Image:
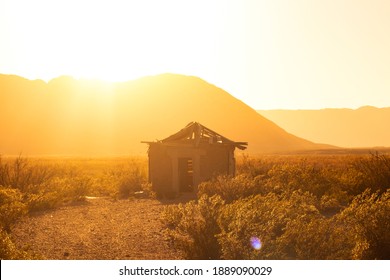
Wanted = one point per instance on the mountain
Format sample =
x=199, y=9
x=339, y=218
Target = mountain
x=86, y=117
x=364, y=127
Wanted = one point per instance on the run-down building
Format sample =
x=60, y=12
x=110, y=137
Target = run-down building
x=195, y=154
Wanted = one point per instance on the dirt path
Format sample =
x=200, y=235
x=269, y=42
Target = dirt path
x=98, y=229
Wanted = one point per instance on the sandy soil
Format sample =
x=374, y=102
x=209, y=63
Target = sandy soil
x=97, y=229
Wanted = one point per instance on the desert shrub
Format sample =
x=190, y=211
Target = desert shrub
x=76, y=188
x=44, y=196
x=42, y=201
x=253, y=167
x=57, y=191
x=130, y=183
x=372, y=172
x=193, y=227
x=11, y=207
x=332, y=203
x=148, y=190
x=303, y=175
x=21, y=173
x=33, y=184
x=8, y=250
x=231, y=188
x=316, y=237
x=367, y=218
x=282, y=205
x=358, y=232
x=350, y=181
x=245, y=219
x=212, y=229
x=172, y=215
x=265, y=218
x=127, y=179
x=294, y=208
x=48, y=183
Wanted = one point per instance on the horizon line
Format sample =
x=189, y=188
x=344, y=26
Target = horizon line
x=109, y=81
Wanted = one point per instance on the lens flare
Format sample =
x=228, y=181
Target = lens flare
x=255, y=243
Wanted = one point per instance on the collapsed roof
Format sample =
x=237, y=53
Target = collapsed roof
x=197, y=133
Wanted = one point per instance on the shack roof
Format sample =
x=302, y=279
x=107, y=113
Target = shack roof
x=197, y=133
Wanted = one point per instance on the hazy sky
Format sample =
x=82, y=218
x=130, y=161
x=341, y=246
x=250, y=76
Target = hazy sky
x=270, y=54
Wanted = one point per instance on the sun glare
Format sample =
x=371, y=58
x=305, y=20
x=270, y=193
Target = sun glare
x=110, y=40
x=266, y=53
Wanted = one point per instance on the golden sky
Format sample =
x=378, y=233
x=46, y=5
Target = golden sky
x=270, y=54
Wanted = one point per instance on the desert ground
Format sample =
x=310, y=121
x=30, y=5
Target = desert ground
x=97, y=229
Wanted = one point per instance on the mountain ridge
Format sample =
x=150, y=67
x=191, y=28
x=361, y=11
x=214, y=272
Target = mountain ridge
x=85, y=117
x=365, y=126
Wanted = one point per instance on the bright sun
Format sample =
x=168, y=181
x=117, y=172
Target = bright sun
x=110, y=40
x=269, y=54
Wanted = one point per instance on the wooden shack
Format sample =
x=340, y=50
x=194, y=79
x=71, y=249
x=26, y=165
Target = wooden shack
x=193, y=155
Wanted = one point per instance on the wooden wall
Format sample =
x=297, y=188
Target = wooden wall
x=209, y=160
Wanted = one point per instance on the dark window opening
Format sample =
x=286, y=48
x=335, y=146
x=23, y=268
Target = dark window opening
x=186, y=175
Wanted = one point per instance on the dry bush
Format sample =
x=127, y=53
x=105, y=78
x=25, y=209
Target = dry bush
x=32, y=181
x=193, y=227
x=300, y=208
x=129, y=179
x=316, y=238
x=372, y=172
x=367, y=220
x=57, y=191
x=12, y=207
x=231, y=188
x=32, y=185
x=266, y=218
x=303, y=175
x=21, y=173
x=254, y=167
x=289, y=226
x=8, y=250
